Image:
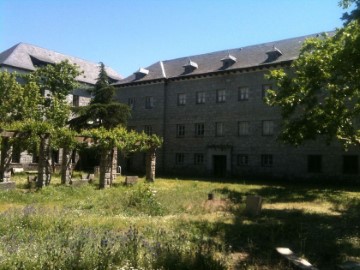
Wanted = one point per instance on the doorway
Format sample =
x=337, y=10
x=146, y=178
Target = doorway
x=219, y=165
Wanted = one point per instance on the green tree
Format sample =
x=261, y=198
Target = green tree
x=103, y=111
x=320, y=93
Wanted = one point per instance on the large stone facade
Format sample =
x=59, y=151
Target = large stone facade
x=215, y=122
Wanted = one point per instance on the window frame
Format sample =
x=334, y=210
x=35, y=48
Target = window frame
x=180, y=130
x=149, y=102
x=267, y=129
x=243, y=93
x=200, y=97
x=267, y=160
x=148, y=130
x=243, y=134
x=181, y=99
x=242, y=160
x=219, y=129
x=198, y=158
x=179, y=158
x=199, y=129
x=220, y=96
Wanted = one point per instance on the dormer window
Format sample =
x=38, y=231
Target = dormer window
x=273, y=54
x=141, y=73
x=190, y=66
x=228, y=61
x=37, y=62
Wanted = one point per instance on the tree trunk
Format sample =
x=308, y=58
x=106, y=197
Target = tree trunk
x=44, y=166
x=150, y=165
x=106, y=162
x=66, y=166
x=6, y=154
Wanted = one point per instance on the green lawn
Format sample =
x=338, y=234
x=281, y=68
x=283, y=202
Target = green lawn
x=171, y=224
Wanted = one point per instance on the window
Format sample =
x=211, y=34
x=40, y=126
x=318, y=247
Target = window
x=179, y=158
x=131, y=103
x=220, y=96
x=149, y=102
x=266, y=160
x=180, y=130
x=314, y=163
x=267, y=128
x=148, y=130
x=265, y=87
x=243, y=128
x=219, y=129
x=198, y=159
x=76, y=101
x=199, y=129
x=350, y=164
x=242, y=160
x=200, y=97
x=243, y=93
x=181, y=99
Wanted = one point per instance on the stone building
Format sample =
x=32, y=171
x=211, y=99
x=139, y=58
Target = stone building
x=210, y=110
x=24, y=58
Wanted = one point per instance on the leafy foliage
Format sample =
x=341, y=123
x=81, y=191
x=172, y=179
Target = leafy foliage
x=103, y=111
x=320, y=94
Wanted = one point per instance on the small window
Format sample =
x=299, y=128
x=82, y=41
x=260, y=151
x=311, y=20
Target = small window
x=314, y=163
x=180, y=130
x=243, y=93
x=148, y=130
x=200, y=97
x=220, y=96
x=266, y=160
x=179, y=158
x=219, y=129
x=243, y=128
x=149, y=102
x=265, y=88
x=181, y=99
x=267, y=128
x=76, y=101
x=198, y=159
x=242, y=160
x=199, y=129
x=350, y=164
x=131, y=103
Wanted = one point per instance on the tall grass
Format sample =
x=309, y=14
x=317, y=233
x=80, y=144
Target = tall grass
x=171, y=225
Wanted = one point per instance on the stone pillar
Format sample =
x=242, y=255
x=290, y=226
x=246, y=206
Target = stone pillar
x=44, y=168
x=6, y=153
x=114, y=164
x=66, y=166
x=106, y=160
x=150, y=165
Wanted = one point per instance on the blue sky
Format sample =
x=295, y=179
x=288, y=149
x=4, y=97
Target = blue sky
x=130, y=34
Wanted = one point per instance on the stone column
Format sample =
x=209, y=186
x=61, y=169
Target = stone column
x=44, y=172
x=150, y=165
x=114, y=164
x=66, y=166
x=6, y=153
x=106, y=160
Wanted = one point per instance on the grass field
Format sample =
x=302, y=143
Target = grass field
x=171, y=224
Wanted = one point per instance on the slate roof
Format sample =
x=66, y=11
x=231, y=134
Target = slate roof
x=23, y=55
x=246, y=57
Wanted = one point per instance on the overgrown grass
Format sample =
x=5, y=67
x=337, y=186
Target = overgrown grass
x=170, y=224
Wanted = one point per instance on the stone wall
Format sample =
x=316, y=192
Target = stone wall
x=286, y=161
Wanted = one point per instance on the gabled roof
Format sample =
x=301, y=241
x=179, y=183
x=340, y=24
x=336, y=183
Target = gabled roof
x=24, y=56
x=246, y=57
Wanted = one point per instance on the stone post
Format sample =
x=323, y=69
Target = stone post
x=150, y=165
x=6, y=153
x=106, y=160
x=66, y=166
x=44, y=173
x=114, y=164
